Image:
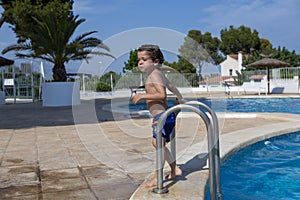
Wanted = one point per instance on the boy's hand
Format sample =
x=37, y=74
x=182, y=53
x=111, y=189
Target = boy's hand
x=180, y=101
x=136, y=98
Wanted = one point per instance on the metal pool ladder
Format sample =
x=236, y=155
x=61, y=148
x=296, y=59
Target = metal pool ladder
x=213, y=146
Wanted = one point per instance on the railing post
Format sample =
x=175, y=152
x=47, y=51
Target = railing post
x=159, y=157
x=216, y=145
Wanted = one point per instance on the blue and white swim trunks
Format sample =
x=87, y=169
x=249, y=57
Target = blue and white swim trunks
x=168, y=127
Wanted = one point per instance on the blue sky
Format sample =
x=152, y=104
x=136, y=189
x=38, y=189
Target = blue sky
x=275, y=20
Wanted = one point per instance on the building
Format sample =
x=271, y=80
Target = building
x=232, y=64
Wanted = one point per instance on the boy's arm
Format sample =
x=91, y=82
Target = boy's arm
x=156, y=92
x=175, y=91
x=159, y=94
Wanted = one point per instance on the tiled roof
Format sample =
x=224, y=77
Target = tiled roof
x=217, y=79
x=235, y=56
x=258, y=76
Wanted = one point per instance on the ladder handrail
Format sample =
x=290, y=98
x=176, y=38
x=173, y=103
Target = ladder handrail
x=213, y=146
x=216, y=146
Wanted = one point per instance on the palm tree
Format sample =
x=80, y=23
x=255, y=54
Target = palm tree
x=50, y=39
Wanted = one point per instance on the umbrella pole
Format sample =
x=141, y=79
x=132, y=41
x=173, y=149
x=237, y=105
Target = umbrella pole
x=268, y=71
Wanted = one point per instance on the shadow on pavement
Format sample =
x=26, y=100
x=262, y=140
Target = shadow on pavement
x=29, y=115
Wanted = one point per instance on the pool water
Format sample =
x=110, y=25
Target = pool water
x=268, y=169
x=285, y=105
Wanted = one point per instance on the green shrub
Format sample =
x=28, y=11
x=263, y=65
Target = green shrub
x=103, y=87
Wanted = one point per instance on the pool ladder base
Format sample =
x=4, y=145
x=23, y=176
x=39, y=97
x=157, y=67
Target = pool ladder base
x=160, y=191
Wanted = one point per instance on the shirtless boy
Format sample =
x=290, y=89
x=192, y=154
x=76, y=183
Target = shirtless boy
x=150, y=59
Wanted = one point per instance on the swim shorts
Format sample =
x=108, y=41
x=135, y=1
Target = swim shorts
x=168, y=127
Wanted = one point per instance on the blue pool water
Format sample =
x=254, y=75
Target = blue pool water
x=286, y=105
x=266, y=170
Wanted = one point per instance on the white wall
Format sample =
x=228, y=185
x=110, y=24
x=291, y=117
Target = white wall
x=284, y=85
x=229, y=63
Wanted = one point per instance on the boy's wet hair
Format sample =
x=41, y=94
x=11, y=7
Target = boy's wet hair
x=154, y=52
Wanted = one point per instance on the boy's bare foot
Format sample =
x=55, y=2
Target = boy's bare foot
x=174, y=173
x=149, y=183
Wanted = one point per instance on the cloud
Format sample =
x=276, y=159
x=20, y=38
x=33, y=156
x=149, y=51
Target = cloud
x=95, y=7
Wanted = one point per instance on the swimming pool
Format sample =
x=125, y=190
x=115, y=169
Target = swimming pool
x=269, y=169
x=285, y=105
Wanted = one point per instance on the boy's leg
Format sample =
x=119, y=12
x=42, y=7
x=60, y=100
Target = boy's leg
x=175, y=170
x=153, y=181
x=166, y=155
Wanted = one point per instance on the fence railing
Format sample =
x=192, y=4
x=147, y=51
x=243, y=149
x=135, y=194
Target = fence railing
x=26, y=86
x=124, y=81
x=189, y=79
x=137, y=79
x=285, y=73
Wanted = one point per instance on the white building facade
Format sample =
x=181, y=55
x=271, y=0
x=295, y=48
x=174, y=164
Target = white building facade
x=232, y=64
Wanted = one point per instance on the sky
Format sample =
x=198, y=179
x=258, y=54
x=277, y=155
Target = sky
x=125, y=24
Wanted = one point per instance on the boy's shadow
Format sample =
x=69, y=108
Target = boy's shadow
x=197, y=163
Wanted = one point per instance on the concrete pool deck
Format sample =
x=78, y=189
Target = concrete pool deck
x=44, y=154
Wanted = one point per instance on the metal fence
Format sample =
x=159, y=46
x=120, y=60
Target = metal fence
x=277, y=73
x=26, y=86
x=285, y=73
x=126, y=80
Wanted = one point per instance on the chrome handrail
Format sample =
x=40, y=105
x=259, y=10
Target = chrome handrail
x=216, y=146
x=213, y=146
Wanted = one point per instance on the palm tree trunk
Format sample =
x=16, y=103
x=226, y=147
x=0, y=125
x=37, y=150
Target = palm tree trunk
x=59, y=73
x=200, y=72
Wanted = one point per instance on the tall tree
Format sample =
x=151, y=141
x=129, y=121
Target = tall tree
x=9, y=6
x=265, y=44
x=182, y=66
x=198, y=49
x=20, y=13
x=131, y=64
x=209, y=43
x=285, y=55
x=247, y=41
x=239, y=39
x=50, y=39
x=279, y=53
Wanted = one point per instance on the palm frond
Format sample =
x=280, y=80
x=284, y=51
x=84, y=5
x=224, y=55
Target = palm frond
x=84, y=35
x=50, y=40
x=17, y=47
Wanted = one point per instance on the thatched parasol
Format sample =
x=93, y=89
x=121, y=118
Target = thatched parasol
x=5, y=61
x=268, y=63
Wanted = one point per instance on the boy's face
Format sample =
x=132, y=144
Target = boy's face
x=145, y=62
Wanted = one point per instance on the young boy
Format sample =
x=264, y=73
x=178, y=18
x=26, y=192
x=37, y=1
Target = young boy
x=150, y=59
